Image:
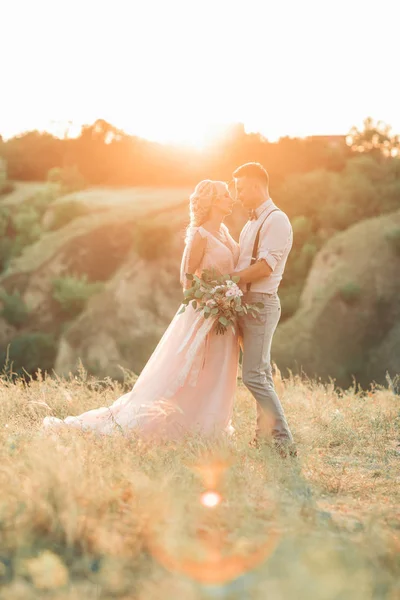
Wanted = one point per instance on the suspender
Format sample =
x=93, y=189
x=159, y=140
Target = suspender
x=256, y=241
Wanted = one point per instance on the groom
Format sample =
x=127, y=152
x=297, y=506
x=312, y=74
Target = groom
x=265, y=243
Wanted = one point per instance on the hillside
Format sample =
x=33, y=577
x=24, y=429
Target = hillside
x=92, y=274
x=348, y=323
x=123, y=323
x=85, y=240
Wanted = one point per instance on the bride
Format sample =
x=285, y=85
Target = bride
x=189, y=382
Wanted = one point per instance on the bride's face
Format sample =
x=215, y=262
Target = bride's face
x=224, y=201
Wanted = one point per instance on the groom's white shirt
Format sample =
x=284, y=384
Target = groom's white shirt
x=275, y=243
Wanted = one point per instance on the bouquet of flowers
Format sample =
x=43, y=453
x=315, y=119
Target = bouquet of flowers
x=218, y=297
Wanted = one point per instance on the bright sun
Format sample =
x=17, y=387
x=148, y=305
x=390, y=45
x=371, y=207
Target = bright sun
x=198, y=133
x=180, y=72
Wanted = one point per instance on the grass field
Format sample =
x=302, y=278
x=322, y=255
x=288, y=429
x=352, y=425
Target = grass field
x=83, y=516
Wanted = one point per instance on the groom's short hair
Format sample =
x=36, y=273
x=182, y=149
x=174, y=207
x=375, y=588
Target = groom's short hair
x=252, y=169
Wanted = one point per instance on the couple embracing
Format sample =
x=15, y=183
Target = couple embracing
x=189, y=383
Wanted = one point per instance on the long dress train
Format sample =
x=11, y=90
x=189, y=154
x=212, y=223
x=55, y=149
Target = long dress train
x=188, y=384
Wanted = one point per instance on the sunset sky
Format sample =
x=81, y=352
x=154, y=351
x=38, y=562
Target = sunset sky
x=180, y=70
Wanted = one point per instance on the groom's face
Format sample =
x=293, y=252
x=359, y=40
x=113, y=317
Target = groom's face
x=247, y=191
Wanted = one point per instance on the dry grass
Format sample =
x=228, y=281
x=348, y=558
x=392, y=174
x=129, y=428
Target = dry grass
x=83, y=516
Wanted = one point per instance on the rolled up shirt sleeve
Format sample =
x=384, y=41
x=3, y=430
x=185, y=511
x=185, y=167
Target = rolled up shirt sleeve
x=274, y=239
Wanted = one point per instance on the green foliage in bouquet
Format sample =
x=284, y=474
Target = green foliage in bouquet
x=218, y=297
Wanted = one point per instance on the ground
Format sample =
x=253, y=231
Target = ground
x=114, y=517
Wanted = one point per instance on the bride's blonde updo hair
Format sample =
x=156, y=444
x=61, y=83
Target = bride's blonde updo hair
x=202, y=199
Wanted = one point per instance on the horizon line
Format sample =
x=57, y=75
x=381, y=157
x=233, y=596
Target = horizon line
x=229, y=128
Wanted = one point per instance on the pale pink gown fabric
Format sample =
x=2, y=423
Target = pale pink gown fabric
x=188, y=384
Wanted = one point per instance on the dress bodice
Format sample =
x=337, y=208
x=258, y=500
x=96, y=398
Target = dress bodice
x=223, y=256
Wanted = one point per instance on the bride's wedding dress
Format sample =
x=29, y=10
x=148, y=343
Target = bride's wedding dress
x=189, y=382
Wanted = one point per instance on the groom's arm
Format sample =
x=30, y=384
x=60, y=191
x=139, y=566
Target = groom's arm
x=259, y=270
x=272, y=245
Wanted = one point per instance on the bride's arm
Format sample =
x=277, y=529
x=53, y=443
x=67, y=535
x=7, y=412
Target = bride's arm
x=192, y=257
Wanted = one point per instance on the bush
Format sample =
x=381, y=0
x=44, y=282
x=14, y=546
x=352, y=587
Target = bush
x=350, y=292
x=30, y=352
x=393, y=237
x=26, y=222
x=41, y=199
x=6, y=252
x=338, y=216
x=290, y=300
x=72, y=293
x=302, y=230
x=65, y=212
x=68, y=178
x=14, y=311
x=27, y=228
x=4, y=220
x=17, y=230
x=308, y=253
x=299, y=263
x=6, y=187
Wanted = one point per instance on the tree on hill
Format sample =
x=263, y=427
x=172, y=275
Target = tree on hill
x=376, y=137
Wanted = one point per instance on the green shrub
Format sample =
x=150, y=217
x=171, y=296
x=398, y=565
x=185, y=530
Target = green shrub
x=6, y=252
x=69, y=179
x=393, y=237
x=54, y=175
x=14, y=310
x=308, y=253
x=299, y=263
x=4, y=220
x=25, y=227
x=302, y=230
x=338, y=216
x=72, y=293
x=30, y=352
x=350, y=292
x=26, y=222
x=6, y=186
x=43, y=198
x=290, y=300
x=65, y=212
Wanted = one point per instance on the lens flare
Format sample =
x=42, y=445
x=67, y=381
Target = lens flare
x=210, y=499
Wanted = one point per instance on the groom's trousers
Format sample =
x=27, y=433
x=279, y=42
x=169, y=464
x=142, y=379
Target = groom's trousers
x=257, y=333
